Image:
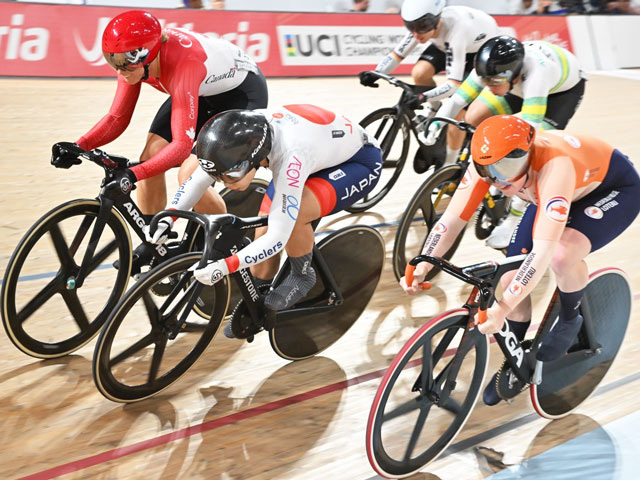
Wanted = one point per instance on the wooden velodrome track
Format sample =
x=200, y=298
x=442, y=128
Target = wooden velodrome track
x=242, y=412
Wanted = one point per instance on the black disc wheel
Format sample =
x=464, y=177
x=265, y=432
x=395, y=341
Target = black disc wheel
x=354, y=256
x=490, y=214
x=424, y=210
x=426, y=395
x=149, y=342
x=47, y=311
x=393, y=134
x=568, y=381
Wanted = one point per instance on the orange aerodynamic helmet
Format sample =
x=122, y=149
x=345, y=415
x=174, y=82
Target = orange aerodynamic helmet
x=500, y=148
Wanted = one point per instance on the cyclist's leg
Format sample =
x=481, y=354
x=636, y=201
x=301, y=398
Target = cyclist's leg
x=152, y=192
x=455, y=136
x=594, y=221
x=431, y=61
x=325, y=192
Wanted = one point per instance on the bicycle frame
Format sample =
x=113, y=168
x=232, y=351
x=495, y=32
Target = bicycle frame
x=226, y=243
x=484, y=277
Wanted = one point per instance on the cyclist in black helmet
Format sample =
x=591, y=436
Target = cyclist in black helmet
x=541, y=81
x=321, y=163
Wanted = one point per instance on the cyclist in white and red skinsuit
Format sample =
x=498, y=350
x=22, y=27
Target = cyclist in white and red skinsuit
x=321, y=162
x=202, y=75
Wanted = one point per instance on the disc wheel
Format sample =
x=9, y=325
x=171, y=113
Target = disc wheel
x=570, y=380
x=142, y=350
x=393, y=135
x=45, y=312
x=354, y=256
x=424, y=210
x=426, y=395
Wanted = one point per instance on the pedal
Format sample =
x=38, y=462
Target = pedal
x=242, y=324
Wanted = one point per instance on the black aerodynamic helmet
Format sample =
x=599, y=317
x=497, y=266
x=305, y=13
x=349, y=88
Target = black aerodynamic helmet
x=231, y=143
x=500, y=58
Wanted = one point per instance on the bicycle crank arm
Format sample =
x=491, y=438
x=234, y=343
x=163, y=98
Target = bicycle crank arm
x=537, y=373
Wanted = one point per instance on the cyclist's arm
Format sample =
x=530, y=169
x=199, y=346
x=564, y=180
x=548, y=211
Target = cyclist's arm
x=556, y=186
x=464, y=203
x=184, y=116
x=116, y=121
x=536, y=89
x=191, y=190
x=466, y=93
x=282, y=218
x=390, y=61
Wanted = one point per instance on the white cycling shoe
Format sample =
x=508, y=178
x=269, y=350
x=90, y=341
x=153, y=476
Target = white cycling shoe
x=501, y=235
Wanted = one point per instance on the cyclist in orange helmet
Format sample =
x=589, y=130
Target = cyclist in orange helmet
x=583, y=194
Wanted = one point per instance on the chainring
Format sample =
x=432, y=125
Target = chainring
x=508, y=385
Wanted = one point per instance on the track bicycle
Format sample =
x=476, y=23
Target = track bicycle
x=59, y=285
x=392, y=126
x=432, y=199
x=149, y=342
x=433, y=383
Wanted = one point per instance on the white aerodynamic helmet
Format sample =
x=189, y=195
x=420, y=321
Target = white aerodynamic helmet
x=421, y=16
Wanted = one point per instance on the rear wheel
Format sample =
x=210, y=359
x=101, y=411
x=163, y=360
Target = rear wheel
x=143, y=349
x=424, y=210
x=393, y=135
x=570, y=380
x=426, y=395
x=45, y=313
x=354, y=256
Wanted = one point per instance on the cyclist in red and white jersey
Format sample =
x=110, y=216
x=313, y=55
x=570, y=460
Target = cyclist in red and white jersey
x=583, y=194
x=321, y=162
x=202, y=75
x=454, y=35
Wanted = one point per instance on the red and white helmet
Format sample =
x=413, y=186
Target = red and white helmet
x=132, y=38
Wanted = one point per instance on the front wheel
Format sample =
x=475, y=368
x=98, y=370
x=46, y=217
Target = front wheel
x=392, y=132
x=424, y=210
x=149, y=342
x=45, y=312
x=426, y=395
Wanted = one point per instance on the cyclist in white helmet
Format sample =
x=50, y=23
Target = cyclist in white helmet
x=454, y=34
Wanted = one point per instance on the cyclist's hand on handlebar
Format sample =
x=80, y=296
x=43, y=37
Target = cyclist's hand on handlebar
x=64, y=155
x=495, y=320
x=415, y=101
x=121, y=183
x=212, y=273
x=161, y=233
x=368, y=79
x=419, y=274
x=433, y=133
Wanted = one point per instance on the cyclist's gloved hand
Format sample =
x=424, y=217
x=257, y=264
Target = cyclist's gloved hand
x=161, y=233
x=431, y=135
x=415, y=101
x=495, y=320
x=121, y=183
x=368, y=79
x=418, y=277
x=65, y=154
x=212, y=273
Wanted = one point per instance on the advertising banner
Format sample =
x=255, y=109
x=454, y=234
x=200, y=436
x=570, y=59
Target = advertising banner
x=65, y=40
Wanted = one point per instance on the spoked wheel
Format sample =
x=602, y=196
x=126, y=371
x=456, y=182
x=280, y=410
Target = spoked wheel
x=568, y=381
x=489, y=217
x=245, y=203
x=393, y=135
x=355, y=256
x=426, y=395
x=145, y=346
x=46, y=313
x=424, y=210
